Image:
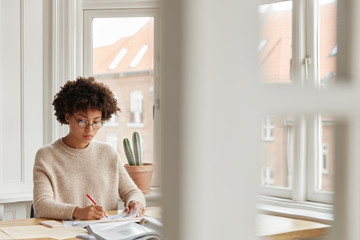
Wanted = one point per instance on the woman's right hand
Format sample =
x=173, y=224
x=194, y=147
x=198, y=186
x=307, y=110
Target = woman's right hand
x=91, y=212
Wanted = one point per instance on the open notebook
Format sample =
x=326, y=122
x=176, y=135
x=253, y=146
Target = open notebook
x=148, y=228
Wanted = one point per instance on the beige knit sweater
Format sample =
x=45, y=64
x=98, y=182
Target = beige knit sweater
x=64, y=175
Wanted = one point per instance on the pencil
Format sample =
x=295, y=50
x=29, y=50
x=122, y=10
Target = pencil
x=94, y=202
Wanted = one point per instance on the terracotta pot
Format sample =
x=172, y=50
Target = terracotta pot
x=141, y=175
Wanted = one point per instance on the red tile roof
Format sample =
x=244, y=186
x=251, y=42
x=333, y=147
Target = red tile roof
x=275, y=56
x=104, y=56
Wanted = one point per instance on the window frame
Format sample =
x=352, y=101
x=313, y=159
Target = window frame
x=324, y=158
x=88, y=15
x=268, y=127
x=307, y=131
x=112, y=13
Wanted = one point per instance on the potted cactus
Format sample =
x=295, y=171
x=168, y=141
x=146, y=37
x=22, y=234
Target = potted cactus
x=141, y=173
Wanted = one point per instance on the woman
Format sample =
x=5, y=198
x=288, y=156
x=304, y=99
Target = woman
x=76, y=165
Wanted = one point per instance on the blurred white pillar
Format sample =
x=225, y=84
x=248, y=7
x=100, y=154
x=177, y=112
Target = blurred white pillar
x=348, y=70
x=209, y=131
x=347, y=166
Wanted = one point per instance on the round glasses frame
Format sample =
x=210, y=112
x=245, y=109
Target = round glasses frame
x=85, y=123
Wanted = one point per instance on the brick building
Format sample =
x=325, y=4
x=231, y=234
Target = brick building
x=127, y=66
x=275, y=55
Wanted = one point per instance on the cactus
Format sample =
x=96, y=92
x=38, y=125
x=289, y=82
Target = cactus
x=136, y=151
x=128, y=152
x=137, y=148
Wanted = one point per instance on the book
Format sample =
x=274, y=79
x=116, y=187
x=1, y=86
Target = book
x=152, y=223
x=148, y=229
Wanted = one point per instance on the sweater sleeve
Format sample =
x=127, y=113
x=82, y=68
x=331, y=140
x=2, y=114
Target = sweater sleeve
x=128, y=191
x=44, y=203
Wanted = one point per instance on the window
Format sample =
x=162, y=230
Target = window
x=327, y=42
x=262, y=44
x=118, y=59
x=267, y=129
x=139, y=56
x=298, y=153
x=123, y=55
x=275, y=52
x=267, y=176
x=277, y=154
x=325, y=158
x=326, y=162
x=136, y=109
x=334, y=51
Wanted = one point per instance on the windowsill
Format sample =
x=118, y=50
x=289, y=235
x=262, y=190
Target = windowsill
x=135, y=125
x=155, y=194
x=318, y=212
x=152, y=199
x=16, y=197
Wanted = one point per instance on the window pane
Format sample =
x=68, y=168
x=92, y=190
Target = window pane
x=275, y=42
x=123, y=58
x=277, y=148
x=325, y=176
x=328, y=42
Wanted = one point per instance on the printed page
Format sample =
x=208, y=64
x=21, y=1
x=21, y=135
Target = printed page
x=152, y=223
x=119, y=230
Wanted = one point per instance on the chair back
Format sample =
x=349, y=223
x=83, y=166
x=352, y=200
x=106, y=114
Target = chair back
x=32, y=212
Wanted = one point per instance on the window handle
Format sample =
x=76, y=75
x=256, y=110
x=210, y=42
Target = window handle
x=307, y=62
x=157, y=106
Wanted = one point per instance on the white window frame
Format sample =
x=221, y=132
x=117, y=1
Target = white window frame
x=314, y=163
x=68, y=58
x=325, y=158
x=136, y=99
x=111, y=13
x=267, y=176
x=283, y=192
x=135, y=10
x=268, y=129
x=307, y=130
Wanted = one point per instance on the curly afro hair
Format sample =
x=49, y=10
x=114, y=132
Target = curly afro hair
x=84, y=94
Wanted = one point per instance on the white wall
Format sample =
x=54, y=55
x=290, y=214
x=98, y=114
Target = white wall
x=21, y=95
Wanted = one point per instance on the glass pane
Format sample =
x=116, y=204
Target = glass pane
x=275, y=38
x=277, y=148
x=328, y=42
x=325, y=176
x=123, y=58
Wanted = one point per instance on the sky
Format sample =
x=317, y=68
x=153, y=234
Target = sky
x=107, y=31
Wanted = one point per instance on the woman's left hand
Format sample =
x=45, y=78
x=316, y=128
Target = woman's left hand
x=133, y=205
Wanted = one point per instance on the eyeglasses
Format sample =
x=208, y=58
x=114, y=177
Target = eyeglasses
x=84, y=123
